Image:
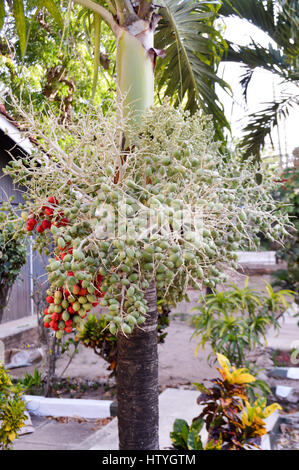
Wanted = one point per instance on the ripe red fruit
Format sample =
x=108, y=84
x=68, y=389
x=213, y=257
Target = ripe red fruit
x=50, y=299
x=68, y=329
x=46, y=311
x=53, y=200
x=46, y=325
x=66, y=292
x=95, y=304
x=83, y=291
x=31, y=223
x=48, y=211
x=76, y=289
x=62, y=222
x=69, y=323
x=71, y=310
x=70, y=273
x=46, y=224
x=54, y=325
x=40, y=229
x=54, y=316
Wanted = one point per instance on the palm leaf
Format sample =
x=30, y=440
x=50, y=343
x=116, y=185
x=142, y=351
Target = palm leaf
x=53, y=10
x=2, y=14
x=262, y=122
x=193, y=48
x=19, y=15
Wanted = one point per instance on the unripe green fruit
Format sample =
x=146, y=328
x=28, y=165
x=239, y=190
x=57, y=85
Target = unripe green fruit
x=90, y=288
x=65, y=316
x=113, y=328
x=127, y=329
x=61, y=242
x=76, y=306
x=57, y=309
x=59, y=334
x=87, y=306
x=64, y=304
x=61, y=325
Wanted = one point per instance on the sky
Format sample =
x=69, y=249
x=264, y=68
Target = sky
x=261, y=89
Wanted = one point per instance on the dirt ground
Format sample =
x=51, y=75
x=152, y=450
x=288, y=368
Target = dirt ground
x=178, y=365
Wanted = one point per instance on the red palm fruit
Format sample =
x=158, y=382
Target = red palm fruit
x=47, y=325
x=69, y=323
x=70, y=250
x=68, y=329
x=101, y=294
x=70, y=273
x=50, y=299
x=62, y=255
x=62, y=222
x=46, y=224
x=76, y=289
x=99, y=279
x=83, y=291
x=53, y=324
x=46, y=311
x=66, y=292
x=40, y=229
x=95, y=304
x=31, y=223
x=55, y=317
x=71, y=310
x=53, y=200
x=48, y=211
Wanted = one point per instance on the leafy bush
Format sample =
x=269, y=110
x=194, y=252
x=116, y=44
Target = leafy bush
x=12, y=253
x=235, y=321
x=289, y=193
x=12, y=410
x=232, y=423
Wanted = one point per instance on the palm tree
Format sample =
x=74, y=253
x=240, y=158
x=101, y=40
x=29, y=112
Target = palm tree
x=191, y=49
x=279, y=20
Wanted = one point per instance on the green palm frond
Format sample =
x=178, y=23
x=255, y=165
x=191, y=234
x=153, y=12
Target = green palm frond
x=193, y=48
x=279, y=19
x=261, y=124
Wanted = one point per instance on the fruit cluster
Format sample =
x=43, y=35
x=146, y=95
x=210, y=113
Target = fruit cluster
x=176, y=213
x=45, y=218
x=69, y=303
x=66, y=309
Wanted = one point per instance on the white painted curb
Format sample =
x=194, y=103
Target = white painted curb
x=43, y=406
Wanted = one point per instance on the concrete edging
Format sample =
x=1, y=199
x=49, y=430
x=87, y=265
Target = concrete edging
x=93, y=409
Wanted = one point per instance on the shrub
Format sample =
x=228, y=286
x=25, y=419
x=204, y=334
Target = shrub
x=235, y=321
x=231, y=421
x=12, y=410
x=289, y=193
x=12, y=253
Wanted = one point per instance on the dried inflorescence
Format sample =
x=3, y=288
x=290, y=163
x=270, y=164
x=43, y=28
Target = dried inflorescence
x=133, y=202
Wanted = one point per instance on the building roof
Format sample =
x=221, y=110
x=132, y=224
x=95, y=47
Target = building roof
x=10, y=127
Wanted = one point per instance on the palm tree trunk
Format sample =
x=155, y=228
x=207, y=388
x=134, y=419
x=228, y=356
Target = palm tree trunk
x=137, y=383
x=137, y=360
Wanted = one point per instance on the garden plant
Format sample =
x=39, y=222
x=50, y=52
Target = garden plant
x=13, y=253
x=12, y=410
x=232, y=423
